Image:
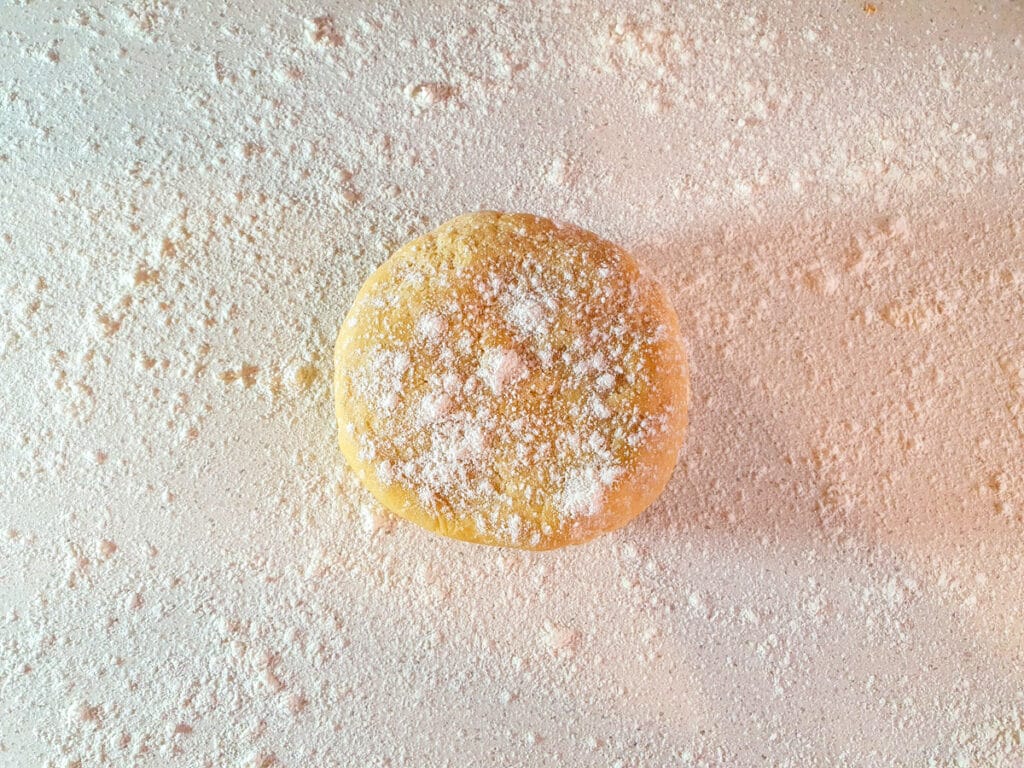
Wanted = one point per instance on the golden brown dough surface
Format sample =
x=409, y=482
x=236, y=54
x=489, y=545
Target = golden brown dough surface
x=512, y=381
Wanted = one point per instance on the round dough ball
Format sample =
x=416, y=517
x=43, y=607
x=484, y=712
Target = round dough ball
x=512, y=381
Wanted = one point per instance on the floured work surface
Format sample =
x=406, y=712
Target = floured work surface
x=189, y=200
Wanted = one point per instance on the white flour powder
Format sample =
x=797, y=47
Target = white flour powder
x=190, y=196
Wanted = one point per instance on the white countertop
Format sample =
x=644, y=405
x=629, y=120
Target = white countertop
x=190, y=195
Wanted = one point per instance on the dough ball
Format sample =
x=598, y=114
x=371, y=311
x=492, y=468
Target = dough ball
x=513, y=381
